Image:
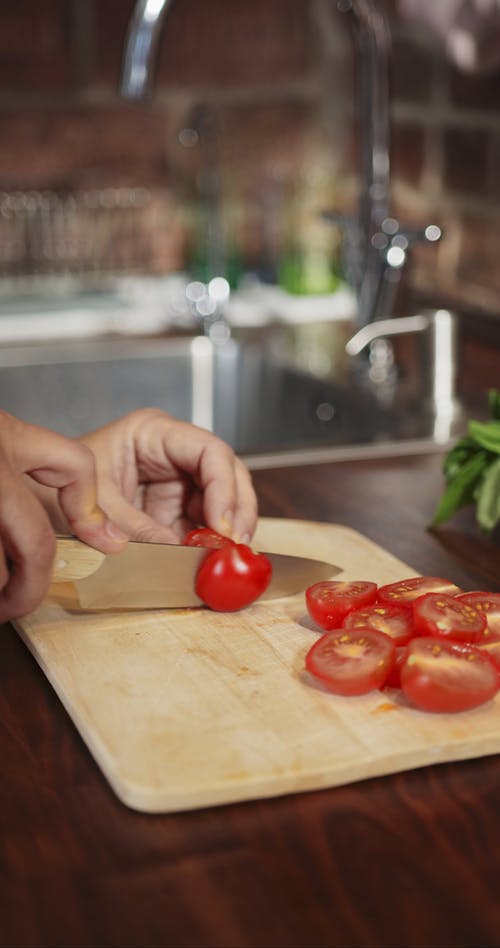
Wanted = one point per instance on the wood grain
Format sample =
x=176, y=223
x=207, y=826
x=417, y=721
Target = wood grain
x=409, y=859
x=74, y=560
x=190, y=708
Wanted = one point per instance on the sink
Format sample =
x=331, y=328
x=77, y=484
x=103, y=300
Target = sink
x=247, y=390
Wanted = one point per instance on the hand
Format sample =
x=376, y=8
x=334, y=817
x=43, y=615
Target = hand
x=30, y=454
x=158, y=477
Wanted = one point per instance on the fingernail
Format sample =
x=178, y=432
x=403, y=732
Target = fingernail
x=114, y=532
x=226, y=522
x=245, y=538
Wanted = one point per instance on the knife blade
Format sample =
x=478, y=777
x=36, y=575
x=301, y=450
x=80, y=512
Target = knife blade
x=162, y=575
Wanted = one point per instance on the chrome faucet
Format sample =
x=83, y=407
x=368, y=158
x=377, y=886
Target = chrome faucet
x=375, y=244
x=141, y=47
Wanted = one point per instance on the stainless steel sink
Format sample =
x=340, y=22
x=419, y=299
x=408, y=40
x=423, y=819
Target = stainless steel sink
x=263, y=403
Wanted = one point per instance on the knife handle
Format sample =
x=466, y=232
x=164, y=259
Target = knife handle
x=74, y=560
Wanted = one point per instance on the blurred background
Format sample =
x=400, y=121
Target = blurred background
x=253, y=108
x=247, y=162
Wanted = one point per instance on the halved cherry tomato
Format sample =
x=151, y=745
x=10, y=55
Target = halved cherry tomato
x=352, y=661
x=204, y=536
x=394, y=621
x=329, y=602
x=393, y=679
x=404, y=592
x=446, y=616
x=439, y=675
x=492, y=648
x=489, y=603
x=232, y=577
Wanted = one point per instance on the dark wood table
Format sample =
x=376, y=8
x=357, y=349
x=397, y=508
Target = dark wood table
x=410, y=859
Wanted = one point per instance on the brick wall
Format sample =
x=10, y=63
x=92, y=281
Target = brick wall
x=253, y=111
x=446, y=161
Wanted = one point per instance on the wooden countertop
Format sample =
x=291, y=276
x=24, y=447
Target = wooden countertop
x=406, y=860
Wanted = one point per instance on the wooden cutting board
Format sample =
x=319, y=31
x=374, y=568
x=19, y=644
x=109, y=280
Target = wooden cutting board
x=187, y=708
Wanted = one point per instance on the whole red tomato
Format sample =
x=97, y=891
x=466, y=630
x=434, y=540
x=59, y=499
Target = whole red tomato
x=232, y=577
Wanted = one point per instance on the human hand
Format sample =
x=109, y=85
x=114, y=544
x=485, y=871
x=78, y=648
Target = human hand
x=158, y=477
x=27, y=544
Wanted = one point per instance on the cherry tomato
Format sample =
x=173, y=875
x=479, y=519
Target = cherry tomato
x=439, y=675
x=204, y=536
x=393, y=679
x=489, y=603
x=404, y=592
x=329, y=602
x=232, y=577
x=438, y=614
x=394, y=621
x=352, y=661
x=492, y=648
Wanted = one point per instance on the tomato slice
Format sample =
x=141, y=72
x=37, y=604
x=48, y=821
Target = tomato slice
x=394, y=621
x=438, y=614
x=352, y=661
x=404, y=592
x=492, y=648
x=489, y=603
x=204, y=536
x=439, y=675
x=232, y=577
x=329, y=602
x=393, y=679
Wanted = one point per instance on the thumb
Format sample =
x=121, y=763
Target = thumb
x=57, y=462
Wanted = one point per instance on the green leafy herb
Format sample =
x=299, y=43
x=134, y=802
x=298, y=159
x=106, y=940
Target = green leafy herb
x=461, y=489
x=457, y=457
x=488, y=502
x=494, y=403
x=486, y=434
x=472, y=471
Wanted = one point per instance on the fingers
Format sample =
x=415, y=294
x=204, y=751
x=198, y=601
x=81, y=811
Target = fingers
x=229, y=502
x=27, y=547
x=158, y=475
x=68, y=466
x=138, y=524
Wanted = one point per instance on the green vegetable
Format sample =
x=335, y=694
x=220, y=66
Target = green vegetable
x=494, y=403
x=486, y=434
x=472, y=471
x=488, y=502
x=456, y=458
x=461, y=489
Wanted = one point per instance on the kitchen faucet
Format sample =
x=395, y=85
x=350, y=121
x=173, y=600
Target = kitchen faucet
x=375, y=245
x=205, y=301
x=141, y=46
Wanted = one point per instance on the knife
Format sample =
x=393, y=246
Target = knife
x=162, y=575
